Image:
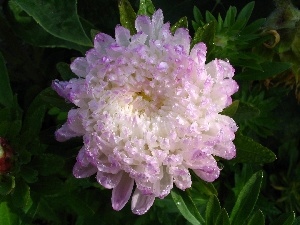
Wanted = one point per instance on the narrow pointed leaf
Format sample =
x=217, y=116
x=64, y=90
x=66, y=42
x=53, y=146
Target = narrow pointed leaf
x=285, y=219
x=213, y=208
x=204, y=187
x=246, y=200
x=222, y=218
x=146, y=8
x=246, y=12
x=230, y=16
x=257, y=219
x=205, y=34
x=197, y=15
x=127, y=15
x=187, y=207
x=182, y=22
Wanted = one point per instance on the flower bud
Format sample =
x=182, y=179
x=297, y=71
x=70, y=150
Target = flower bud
x=6, y=154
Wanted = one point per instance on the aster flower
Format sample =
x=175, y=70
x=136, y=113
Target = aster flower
x=148, y=109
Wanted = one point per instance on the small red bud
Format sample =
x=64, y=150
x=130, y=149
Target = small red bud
x=6, y=154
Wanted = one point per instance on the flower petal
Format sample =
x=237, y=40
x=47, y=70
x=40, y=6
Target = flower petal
x=198, y=53
x=79, y=66
x=75, y=122
x=140, y=203
x=183, y=39
x=102, y=41
x=157, y=22
x=122, y=36
x=121, y=193
x=163, y=187
x=109, y=180
x=143, y=24
x=65, y=133
x=80, y=171
x=208, y=174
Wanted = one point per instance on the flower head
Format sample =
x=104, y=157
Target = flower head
x=148, y=110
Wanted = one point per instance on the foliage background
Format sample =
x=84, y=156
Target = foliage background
x=38, y=40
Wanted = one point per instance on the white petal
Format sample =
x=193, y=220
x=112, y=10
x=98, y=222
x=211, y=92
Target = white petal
x=183, y=38
x=109, y=180
x=80, y=171
x=208, y=174
x=121, y=193
x=163, y=186
x=198, y=53
x=143, y=24
x=102, y=41
x=140, y=203
x=75, y=122
x=65, y=133
x=122, y=36
x=79, y=66
x=157, y=22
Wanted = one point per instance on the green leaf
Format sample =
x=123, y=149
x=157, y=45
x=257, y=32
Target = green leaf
x=231, y=110
x=213, y=208
x=6, y=95
x=187, y=207
x=45, y=211
x=223, y=218
x=246, y=200
x=182, y=22
x=7, y=217
x=230, y=16
x=205, y=34
x=127, y=16
x=28, y=174
x=253, y=27
x=246, y=12
x=202, y=186
x=269, y=69
x=297, y=221
x=52, y=99
x=284, y=219
x=47, y=164
x=257, y=219
x=146, y=8
x=57, y=17
x=209, y=17
x=7, y=184
x=26, y=26
x=81, y=207
x=249, y=151
x=48, y=186
x=245, y=112
x=197, y=15
x=33, y=122
x=65, y=71
x=21, y=195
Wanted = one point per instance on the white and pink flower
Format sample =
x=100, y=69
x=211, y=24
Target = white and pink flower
x=148, y=109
